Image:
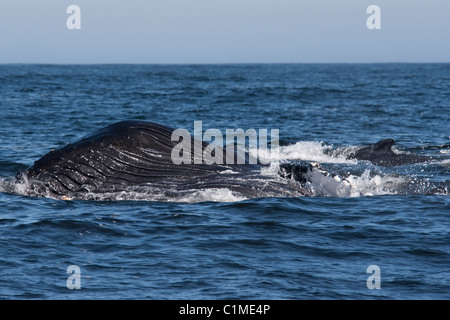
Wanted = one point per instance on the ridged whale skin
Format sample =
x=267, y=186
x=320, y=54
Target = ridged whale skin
x=136, y=156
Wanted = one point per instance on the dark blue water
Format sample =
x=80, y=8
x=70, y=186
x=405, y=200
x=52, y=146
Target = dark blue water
x=269, y=248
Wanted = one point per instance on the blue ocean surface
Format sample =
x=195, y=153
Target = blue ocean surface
x=387, y=237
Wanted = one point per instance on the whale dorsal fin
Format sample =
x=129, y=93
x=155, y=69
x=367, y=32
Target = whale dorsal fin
x=383, y=146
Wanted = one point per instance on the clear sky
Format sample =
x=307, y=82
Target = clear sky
x=224, y=31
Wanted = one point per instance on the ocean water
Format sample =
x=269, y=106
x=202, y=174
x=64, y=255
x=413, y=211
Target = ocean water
x=213, y=244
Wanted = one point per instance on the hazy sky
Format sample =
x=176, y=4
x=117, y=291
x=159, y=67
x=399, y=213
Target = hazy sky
x=224, y=31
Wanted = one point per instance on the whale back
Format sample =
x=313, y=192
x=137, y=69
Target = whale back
x=382, y=154
x=137, y=155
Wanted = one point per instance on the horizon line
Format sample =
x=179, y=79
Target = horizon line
x=216, y=63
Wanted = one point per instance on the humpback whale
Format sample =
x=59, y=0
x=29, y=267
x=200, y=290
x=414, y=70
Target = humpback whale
x=382, y=154
x=135, y=156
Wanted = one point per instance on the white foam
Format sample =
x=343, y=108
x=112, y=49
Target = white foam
x=213, y=194
x=16, y=186
x=368, y=185
x=303, y=150
x=271, y=170
x=229, y=171
x=323, y=184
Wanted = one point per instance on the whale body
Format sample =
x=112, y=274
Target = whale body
x=134, y=157
x=382, y=154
